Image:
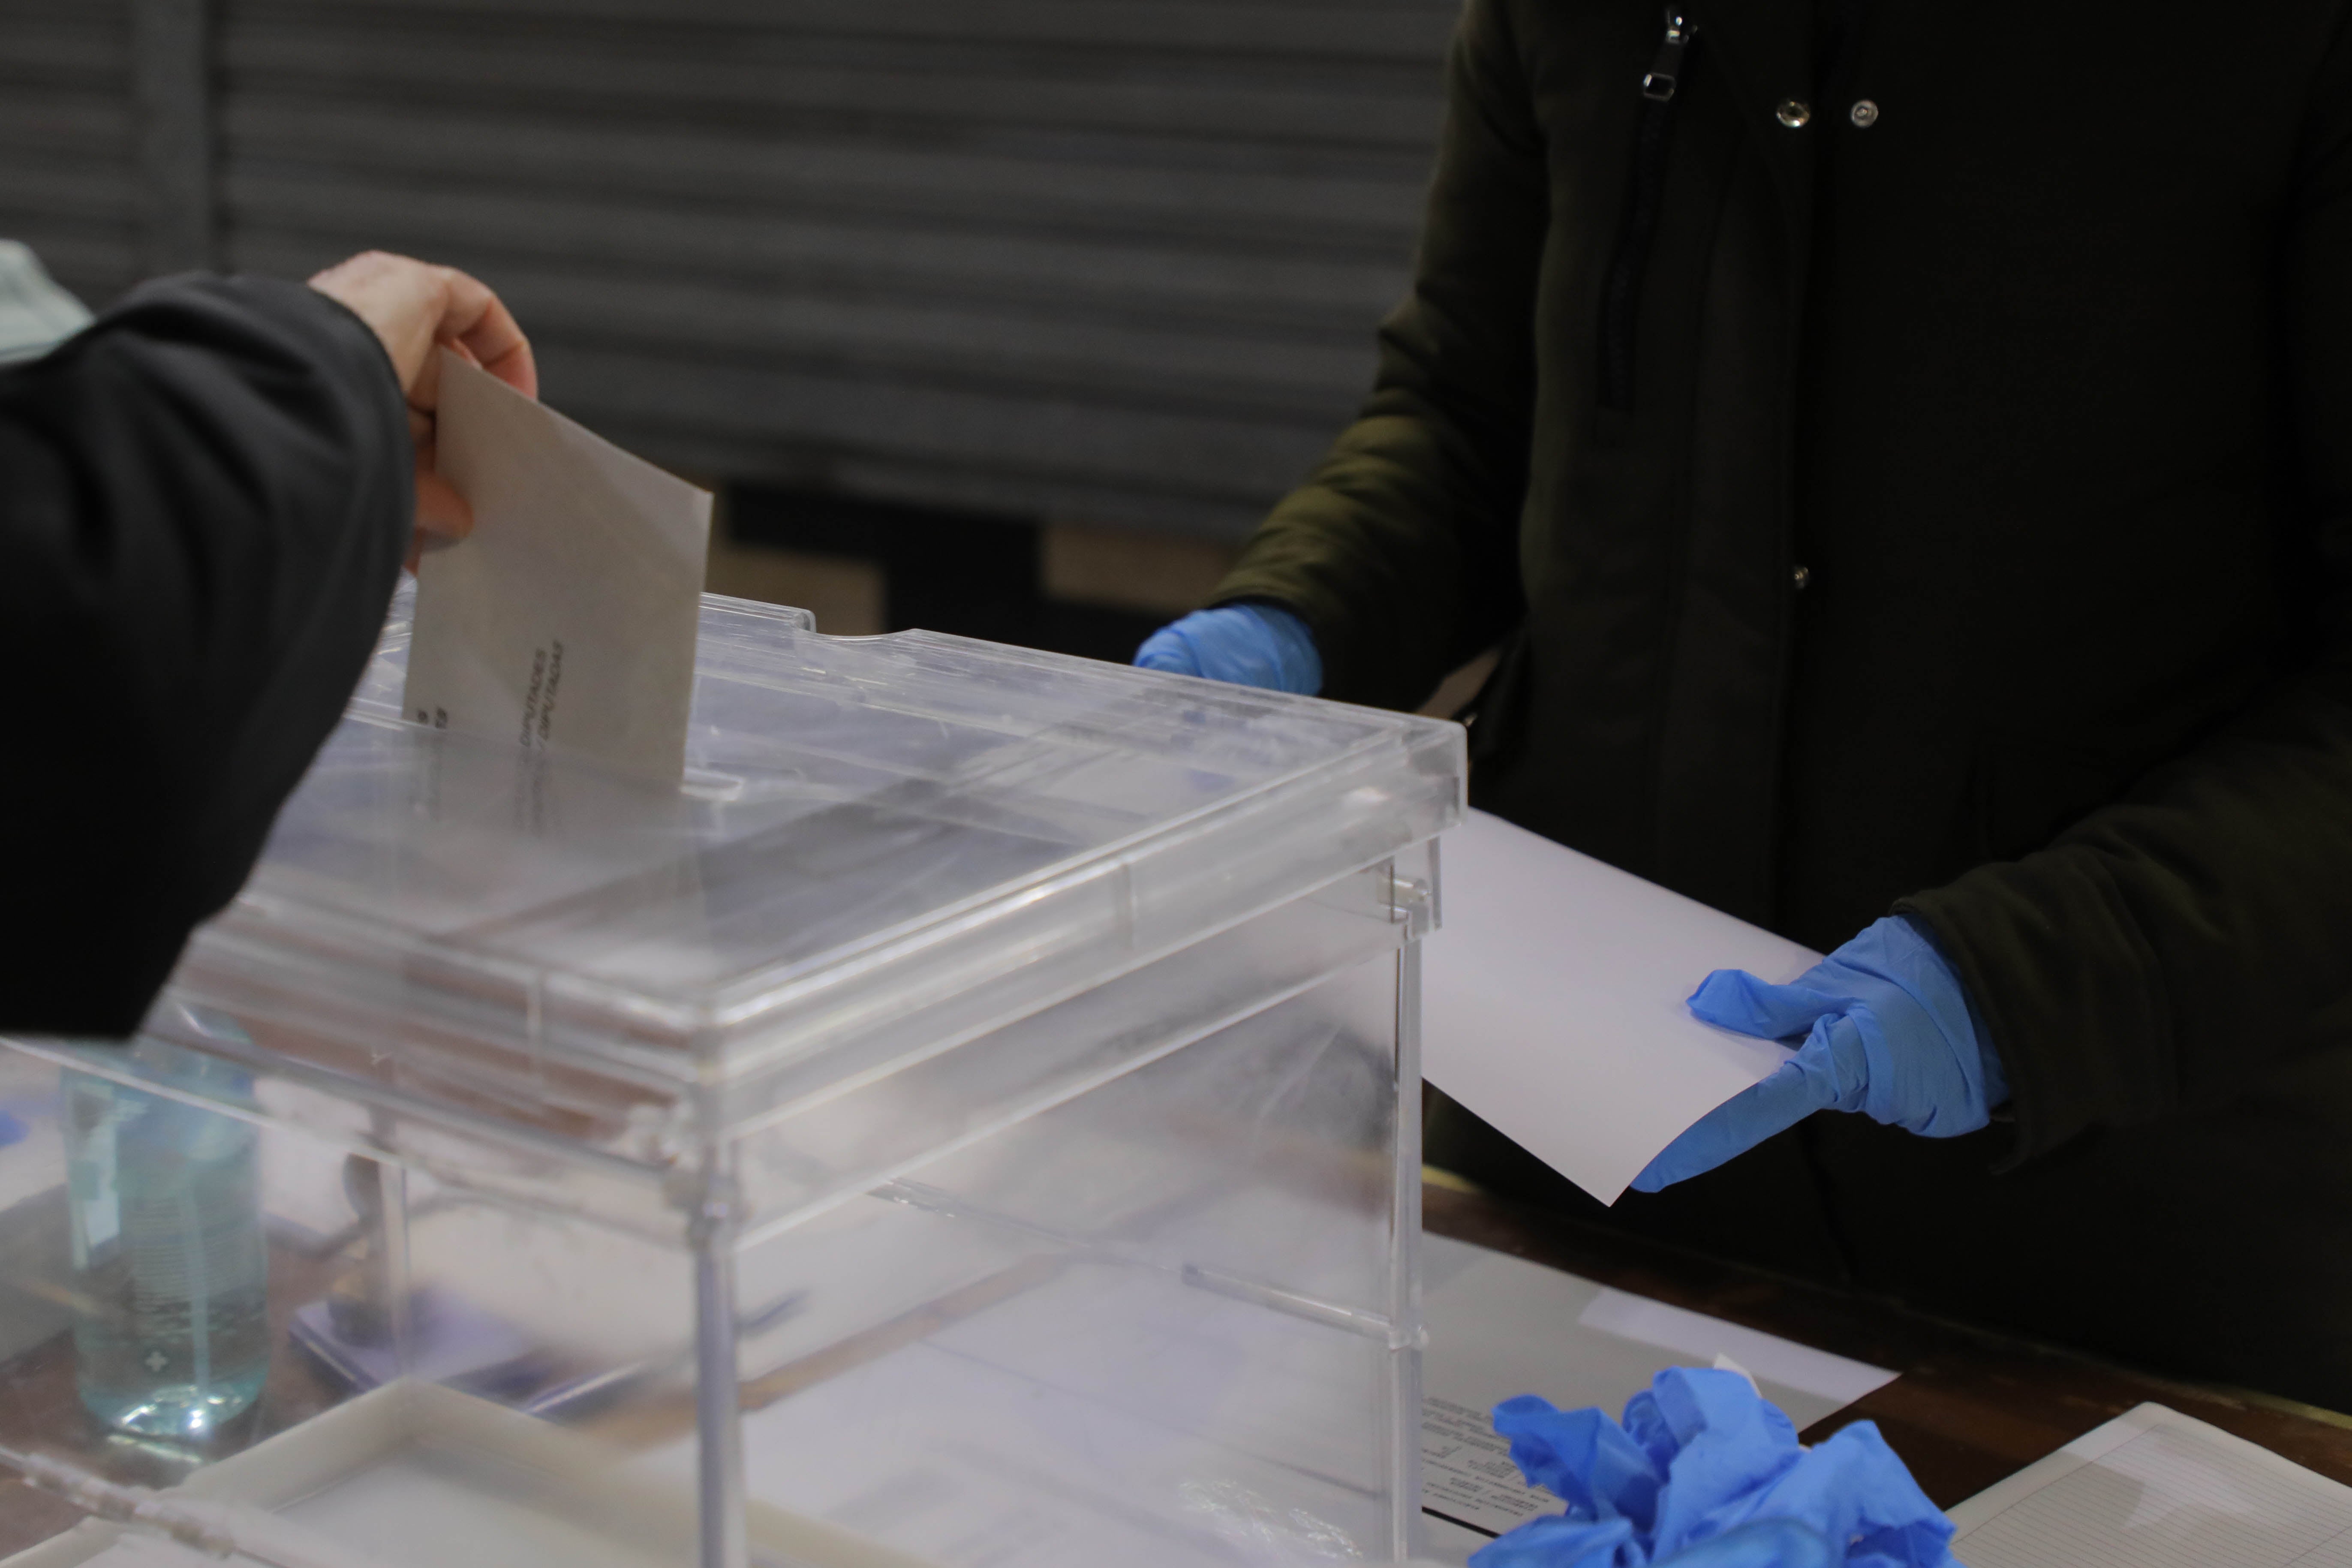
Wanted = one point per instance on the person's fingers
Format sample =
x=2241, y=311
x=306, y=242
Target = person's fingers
x=403, y=299
x=1836, y=1058
x=442, y=517
x=1735, y=999
x=479, y=324
x=1736, y=1126
x=424, y=389
x=1170, y=650
x=415, y=305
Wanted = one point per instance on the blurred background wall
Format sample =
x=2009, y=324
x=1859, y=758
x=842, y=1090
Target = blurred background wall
x=1000, y=316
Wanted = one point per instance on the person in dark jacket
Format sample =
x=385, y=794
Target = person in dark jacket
x=205, y=498
x=1904, y=459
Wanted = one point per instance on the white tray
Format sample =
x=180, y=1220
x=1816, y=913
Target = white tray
x=415, y=1475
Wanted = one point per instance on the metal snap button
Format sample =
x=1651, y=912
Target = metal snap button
x=1864, y=114
x=1792, y=113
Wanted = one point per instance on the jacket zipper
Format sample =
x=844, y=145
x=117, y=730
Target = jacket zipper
x=1621, y=299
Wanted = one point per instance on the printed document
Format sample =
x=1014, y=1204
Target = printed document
x=2155, y=1488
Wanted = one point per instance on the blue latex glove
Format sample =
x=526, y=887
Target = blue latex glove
x=1767, y=1543
x=1887, y=1032
x=1247, y=645
x=1703, y=1472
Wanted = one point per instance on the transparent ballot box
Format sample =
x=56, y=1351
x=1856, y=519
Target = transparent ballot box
x=972, y=1120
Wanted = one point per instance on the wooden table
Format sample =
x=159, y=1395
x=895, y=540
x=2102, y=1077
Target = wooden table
x=1969, y=1408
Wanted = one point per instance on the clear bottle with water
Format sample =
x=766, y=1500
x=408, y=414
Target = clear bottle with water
x=172, y=1338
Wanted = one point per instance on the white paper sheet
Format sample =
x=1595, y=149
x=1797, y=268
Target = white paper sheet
x=1500, y=1326
x=1553, y=1002
x=568, y=620
x=2155, y=1488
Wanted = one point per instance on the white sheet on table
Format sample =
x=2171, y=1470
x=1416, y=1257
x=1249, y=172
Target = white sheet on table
x=2155, y=1488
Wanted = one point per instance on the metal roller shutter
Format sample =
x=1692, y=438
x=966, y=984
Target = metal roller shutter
x=68, y=185
x=1104, y=259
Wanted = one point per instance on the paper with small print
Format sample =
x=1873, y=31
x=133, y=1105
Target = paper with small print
x=1554, y=1002
x=1500, y=1326
x=2155, y=1488
x=567, y=621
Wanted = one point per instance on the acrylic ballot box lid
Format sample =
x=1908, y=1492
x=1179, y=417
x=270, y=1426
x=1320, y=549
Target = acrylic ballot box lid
x=884, y=849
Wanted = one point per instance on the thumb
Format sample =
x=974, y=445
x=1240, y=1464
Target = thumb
x=1170, y=650
x=443, y=516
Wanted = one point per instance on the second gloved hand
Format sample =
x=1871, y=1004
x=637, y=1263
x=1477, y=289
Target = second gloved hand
x=1886, y=1032
x=1247, y=645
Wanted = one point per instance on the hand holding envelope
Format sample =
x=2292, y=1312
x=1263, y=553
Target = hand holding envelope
x=1554, y=1002
x=414, y=307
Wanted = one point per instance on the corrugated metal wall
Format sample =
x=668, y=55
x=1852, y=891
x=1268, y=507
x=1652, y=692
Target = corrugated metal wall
x=68, y=185
x=1117, y=260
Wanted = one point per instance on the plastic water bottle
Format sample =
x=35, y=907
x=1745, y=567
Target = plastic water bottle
x=171, y=1339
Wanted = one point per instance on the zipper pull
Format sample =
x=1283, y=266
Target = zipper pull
x=1659, y=85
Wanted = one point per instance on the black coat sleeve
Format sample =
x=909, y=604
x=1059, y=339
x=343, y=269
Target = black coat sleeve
x=204, y=501
x=2169, y=949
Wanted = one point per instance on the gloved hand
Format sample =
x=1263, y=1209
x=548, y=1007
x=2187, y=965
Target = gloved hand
x=1705, y=1473
x=1247, y=645
x=1887, y=1031
x=35, y=315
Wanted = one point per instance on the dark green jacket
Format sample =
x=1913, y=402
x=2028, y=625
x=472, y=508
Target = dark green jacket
x=1946, y=506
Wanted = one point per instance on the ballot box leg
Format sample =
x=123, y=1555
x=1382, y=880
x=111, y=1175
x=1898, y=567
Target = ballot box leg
x=1404, y=1306
x=718, y=1411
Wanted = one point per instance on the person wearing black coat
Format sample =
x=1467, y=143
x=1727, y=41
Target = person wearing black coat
x=205, y=498
x=1902, y=454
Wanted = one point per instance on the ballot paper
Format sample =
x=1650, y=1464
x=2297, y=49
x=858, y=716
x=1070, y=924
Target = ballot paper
x=1500, y=1326
x=2155, y=1488
x=567, y=621
x=1553, y=1002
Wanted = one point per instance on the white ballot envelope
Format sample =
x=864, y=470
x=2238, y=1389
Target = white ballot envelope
x=1553, y=1002
x=567, y=621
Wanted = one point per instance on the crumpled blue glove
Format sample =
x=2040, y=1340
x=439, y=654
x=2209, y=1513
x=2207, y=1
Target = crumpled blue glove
x=1247, y=645
x=1704, y=1472
x=1887, y=1032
